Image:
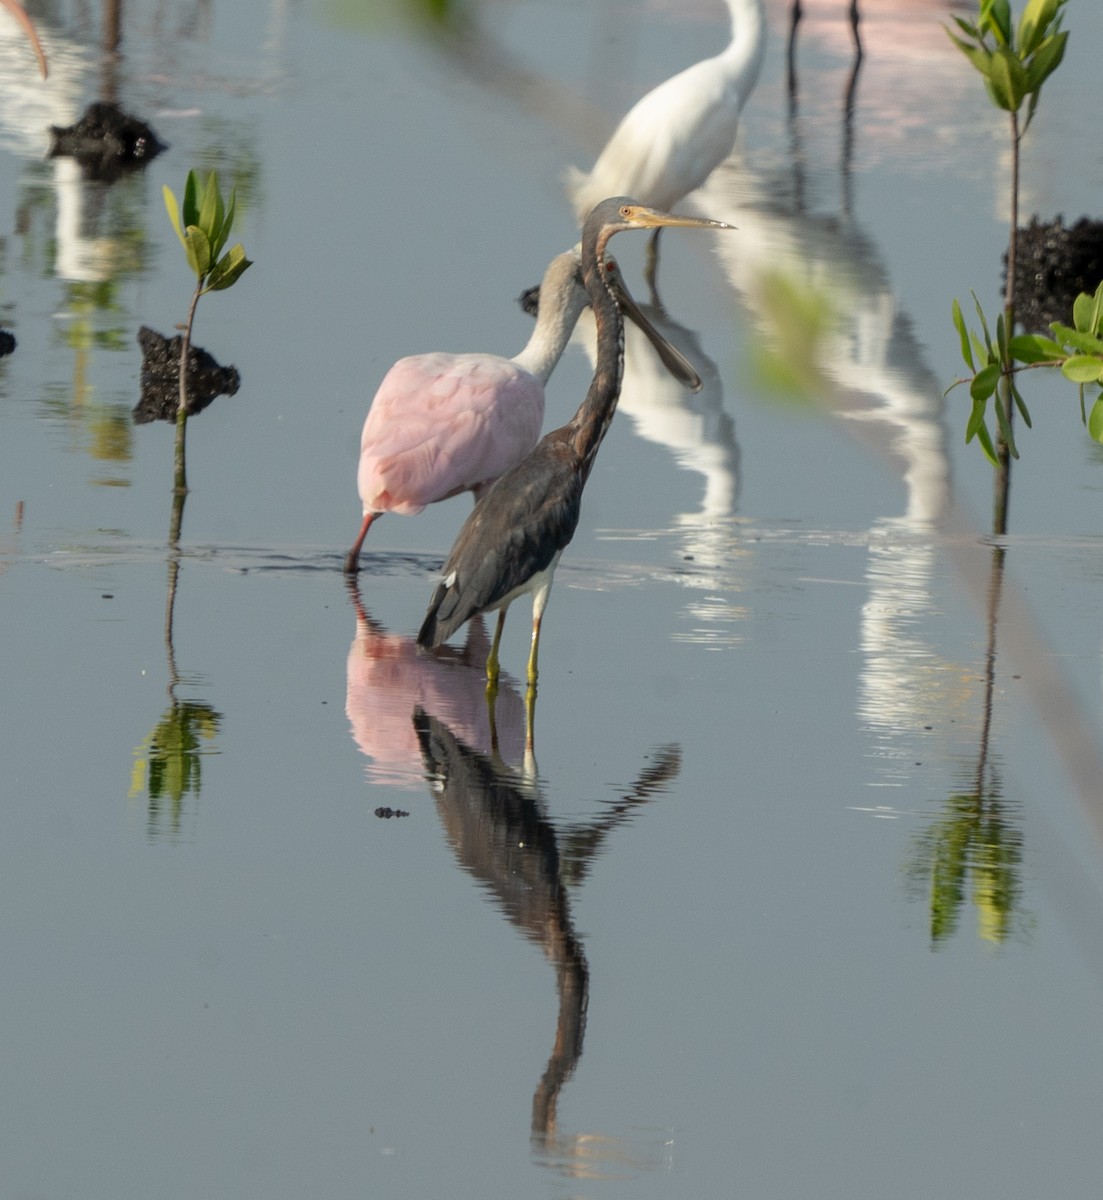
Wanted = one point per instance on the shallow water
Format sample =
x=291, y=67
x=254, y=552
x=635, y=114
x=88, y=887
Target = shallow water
x=800, y=893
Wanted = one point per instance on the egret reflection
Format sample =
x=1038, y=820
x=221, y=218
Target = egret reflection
x=495, y=821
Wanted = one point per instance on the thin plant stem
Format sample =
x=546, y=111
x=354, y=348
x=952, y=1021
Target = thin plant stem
x=180, y=474
x=1002, y=483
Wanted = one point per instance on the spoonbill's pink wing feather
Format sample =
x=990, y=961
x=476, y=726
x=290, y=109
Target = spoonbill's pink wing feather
x=442, y=424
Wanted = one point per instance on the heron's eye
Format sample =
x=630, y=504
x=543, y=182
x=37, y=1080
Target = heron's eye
x=625, y=210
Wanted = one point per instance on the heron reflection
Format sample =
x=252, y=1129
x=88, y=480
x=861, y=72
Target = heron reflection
x=494, y=819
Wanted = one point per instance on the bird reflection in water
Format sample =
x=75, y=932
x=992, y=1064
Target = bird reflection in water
x=494, y=820
x=387, y=679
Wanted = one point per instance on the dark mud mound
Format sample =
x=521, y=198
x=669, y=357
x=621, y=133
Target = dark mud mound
x=1054, y=266
x=160, y=378
x=106, y=142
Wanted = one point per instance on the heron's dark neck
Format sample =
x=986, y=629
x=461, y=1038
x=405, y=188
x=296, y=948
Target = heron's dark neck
x=590, y=424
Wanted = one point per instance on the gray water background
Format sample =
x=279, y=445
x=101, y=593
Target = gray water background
x=763, y=676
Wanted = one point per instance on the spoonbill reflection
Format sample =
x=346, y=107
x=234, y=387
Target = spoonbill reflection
x=388, y=680
x=441, y=424
x=512, y=540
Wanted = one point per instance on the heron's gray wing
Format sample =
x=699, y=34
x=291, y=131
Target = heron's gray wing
x=514, y=533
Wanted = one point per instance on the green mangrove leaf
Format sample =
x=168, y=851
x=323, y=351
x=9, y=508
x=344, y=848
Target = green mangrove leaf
x=963, y=333
x=1086, y=343
x=211, y=211
x=229, y=269
x=1045, y=60
x=1082, y=313
x=966, y=27
x=984, y=382
x=1035, y=21
x=977, y=55
x=227, y=225
x=995, y=15
x=1020, y=404
x=984, y=325
x=1082, y=368
x=1034, y=348
x=1007, y=81
x=1096, y=311
x=984, y=353
x=1095, y=420
x=976, y=420
x=191, y=204
x=173, y=212
x=199, y=251
x=1004, y=422
x=1001, y=337
x=985, y=439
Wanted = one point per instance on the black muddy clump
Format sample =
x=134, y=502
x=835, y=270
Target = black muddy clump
x=160, y=378
x=1054, y=266
x=106, y=142
x=7, y=342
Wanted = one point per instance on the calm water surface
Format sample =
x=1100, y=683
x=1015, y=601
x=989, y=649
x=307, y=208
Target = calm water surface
x=801, y=894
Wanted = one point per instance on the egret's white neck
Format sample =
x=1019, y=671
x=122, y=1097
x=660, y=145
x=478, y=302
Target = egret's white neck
x=562, y=299
x=748, y=45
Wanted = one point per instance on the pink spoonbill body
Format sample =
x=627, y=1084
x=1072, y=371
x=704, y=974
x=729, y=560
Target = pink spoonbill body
x=441, y=424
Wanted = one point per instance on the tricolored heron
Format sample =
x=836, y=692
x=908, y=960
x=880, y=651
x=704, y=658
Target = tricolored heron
x=514, y=536
x=441, y=424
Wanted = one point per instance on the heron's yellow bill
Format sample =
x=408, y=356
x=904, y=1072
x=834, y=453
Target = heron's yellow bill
x=639, y=216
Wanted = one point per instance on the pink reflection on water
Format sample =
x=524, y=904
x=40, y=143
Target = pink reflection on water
x=388, y=677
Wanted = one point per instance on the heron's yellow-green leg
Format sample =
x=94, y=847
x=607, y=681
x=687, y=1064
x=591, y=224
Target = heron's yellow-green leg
x=530, y=717
x=533, y=653
x=492, y=666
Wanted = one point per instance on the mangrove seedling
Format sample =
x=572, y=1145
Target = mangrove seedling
x=1015, y=60
x=202, y=224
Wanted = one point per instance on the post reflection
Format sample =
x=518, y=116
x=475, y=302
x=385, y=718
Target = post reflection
x=495, y=821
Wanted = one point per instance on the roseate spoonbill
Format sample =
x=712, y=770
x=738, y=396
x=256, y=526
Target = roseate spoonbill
x=673, y=138
x=514, y=536
x=441, y=423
